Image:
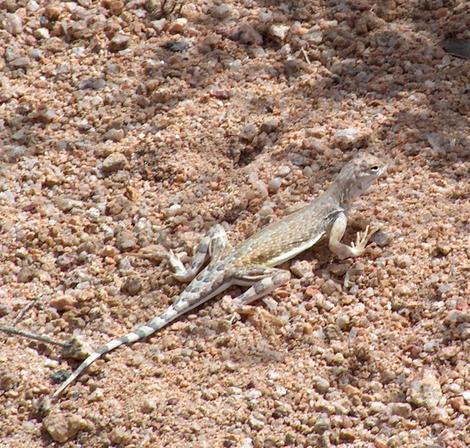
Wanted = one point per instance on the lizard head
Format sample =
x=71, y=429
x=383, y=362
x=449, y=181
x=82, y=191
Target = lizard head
x=358, y=175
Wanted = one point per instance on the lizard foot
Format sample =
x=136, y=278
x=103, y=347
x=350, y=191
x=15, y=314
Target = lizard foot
x=362, y=238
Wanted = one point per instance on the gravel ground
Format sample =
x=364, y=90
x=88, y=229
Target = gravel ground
x=123, y=126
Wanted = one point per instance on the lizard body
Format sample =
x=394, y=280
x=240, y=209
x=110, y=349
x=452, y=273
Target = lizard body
x=252, y=263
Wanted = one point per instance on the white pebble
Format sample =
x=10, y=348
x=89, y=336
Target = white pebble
x=283, y=171
x=93, y=213
x=174, y=209
x=32, y=6
x=275, y=184
x=42, y=33
x=466, y=395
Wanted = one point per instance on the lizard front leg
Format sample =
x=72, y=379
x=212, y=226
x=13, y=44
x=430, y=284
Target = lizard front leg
x=343, y=250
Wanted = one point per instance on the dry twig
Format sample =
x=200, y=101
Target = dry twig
x=38, y=337
x=24, y=310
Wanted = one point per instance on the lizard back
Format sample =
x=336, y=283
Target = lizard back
x=284, y=239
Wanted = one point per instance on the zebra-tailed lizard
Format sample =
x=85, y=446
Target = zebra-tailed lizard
x=252, y=262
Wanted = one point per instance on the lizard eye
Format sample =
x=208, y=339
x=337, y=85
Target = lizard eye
x=374, y=168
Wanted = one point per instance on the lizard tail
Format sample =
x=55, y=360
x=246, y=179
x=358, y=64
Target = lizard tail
x=141, y=332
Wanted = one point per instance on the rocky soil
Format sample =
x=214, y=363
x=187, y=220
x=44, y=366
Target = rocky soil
x=129, y=124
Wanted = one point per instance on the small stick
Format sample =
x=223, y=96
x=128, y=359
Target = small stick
x=37, y=337
x=24, y=311
x=305, y=55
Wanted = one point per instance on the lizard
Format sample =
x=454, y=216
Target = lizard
x=216, y=265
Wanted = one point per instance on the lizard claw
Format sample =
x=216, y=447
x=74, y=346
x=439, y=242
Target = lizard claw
x=362, y=238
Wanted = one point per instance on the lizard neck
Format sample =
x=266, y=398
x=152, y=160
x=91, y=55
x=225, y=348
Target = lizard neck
x=342, y=192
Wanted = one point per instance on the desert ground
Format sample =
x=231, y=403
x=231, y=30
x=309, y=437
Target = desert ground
x=127, y=126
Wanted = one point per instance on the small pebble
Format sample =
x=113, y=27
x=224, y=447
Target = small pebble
x=347, y=435
x=114, y=162
x=64, y=203
x=443, y=249
x=51, y=363
x=350, y=137
x=12, y=153
x=179, y=25
x=21, y=62
x=400, y=409
x=125, y=241
x=119, y=42
x=52, y=11
x=329, y=287
x=339, y=269
x=283, y=171
x=132, y=286
x=265, y=16
x=275, y=184
x=36, y=53
x=343, y=321
x=431, y=346
x=466, y=396
x=247, y=35
x=8, y=380
x=439, y=415
x=260, y=188
x=381, y=238
x=234, y=391
x=314, y=36
x=148, y=405
x=43, y=115
x=96, y=395
x=321, y=384
x=32, y=6
x=64, y=426
x=26, y=274
x=62, y=302
x=253, y=394
x=376, y=407
x=159, y=25
x=174, y=209
x=403, y=261
x=425, y=391
x=301, y=268
x=255, y=423
x=13, y=24
x=59, y=376
x=92, y=84
x=279, y=31
x=222, y=11
x=4, y=309
x=115, y=135
x=249, y=132
x=176, y=45
x=42, y=33
x=270, y=125
x=322, y=424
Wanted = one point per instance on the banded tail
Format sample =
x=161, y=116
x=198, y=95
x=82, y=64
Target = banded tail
x=205, y=286
x=144, y=331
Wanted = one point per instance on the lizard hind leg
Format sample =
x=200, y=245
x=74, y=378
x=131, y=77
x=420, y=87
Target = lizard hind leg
x=212, y=246
x=263, y=281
